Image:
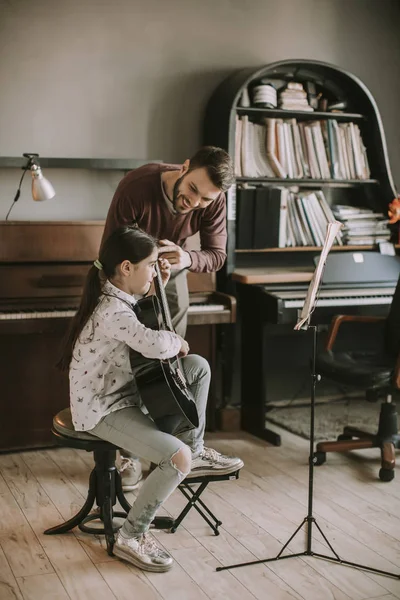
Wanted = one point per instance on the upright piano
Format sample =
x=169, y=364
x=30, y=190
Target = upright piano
x=43, y=266
x=275, y=358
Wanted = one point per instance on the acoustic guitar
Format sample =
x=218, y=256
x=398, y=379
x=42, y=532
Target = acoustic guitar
x=161, y=383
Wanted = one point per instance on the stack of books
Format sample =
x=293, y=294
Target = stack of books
x=361, y=226
x=294, y=97
x=284, y=148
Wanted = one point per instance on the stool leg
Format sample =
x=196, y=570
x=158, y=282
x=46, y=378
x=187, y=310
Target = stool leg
x=120, y=494
x=85, y=510
x=107, y=512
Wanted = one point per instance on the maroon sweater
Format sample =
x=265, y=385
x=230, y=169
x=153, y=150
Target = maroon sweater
x=139, y=199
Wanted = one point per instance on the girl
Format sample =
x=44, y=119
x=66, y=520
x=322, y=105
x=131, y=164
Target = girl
x=104, y=397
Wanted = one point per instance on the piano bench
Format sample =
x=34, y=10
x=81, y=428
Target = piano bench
x=105, y=488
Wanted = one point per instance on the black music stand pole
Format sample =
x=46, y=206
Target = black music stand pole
x=310, y=519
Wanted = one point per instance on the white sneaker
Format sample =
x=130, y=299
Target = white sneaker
x=143, y=552
x=130, y=471
x=211, y=462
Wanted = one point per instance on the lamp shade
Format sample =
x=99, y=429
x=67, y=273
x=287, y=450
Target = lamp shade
x=41, y=187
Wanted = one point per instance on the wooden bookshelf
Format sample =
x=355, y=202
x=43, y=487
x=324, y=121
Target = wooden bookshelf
x=343, y=248
x=299, y=114
x=307, y=182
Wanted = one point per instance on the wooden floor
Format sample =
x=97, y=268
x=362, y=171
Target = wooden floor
x=359, y=515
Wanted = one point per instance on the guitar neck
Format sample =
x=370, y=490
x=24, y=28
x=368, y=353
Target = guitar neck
x=162, y=296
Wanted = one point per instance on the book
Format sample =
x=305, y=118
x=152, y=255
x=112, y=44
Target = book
x=272, y=151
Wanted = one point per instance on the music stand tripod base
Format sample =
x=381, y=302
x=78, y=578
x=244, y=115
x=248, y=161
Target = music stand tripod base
x=310, y=519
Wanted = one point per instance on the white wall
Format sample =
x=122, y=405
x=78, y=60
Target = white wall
x=130, y=78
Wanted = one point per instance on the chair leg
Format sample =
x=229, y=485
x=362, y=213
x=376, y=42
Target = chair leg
x=357, y=433
x=388, y=426
x=388, y=462
x=344, y=445
x=387, y=439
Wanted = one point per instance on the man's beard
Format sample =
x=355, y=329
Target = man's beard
x=176, y=193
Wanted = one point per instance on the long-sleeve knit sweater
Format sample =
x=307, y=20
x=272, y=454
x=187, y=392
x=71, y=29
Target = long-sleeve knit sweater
x=139, y=198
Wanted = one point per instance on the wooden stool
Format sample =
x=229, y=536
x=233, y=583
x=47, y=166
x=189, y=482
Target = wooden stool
x=104, y=481
x=105, y=487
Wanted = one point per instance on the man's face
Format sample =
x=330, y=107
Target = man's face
x=194, y=190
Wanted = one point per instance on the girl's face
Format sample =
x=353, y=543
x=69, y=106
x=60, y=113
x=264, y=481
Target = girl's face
x=142, y=274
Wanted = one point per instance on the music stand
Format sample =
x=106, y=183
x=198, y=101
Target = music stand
x=304, y=323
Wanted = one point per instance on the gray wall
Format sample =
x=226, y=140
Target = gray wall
x=130, y=78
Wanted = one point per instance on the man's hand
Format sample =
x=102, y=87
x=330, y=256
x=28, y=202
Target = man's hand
x=178, y=258
x=165, y=270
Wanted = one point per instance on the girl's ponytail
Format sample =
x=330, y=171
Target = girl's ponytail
x=90, y=298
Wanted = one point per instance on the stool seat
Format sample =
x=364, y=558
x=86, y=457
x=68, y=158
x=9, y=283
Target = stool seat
x=66, y=435
x=62, y=423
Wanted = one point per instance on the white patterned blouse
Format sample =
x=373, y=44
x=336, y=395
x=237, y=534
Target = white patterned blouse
x=100, y=374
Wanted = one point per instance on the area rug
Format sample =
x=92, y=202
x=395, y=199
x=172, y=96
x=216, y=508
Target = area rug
x=330, y=418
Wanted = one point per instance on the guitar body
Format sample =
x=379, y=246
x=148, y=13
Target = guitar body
x=161, y=384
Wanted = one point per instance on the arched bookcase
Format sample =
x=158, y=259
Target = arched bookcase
x=337, y=85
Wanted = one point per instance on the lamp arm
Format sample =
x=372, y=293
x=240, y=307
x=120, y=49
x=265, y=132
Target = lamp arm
x=18, y=192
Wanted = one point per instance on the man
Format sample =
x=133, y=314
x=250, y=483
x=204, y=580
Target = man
x=172, y=203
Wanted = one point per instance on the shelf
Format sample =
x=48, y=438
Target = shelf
x=283, y=274
x=111, y=164
x=300, y=114
x=308, y=182
x=307, y=249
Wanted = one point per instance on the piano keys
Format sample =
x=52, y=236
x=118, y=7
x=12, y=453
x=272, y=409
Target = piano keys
x=282, y=306
x=195, y=310
x=43, y=266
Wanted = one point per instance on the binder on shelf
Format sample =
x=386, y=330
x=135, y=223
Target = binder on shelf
x=245, y=217
x=270, y=219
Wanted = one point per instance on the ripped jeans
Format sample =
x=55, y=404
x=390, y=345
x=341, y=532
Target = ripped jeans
x=130, y=428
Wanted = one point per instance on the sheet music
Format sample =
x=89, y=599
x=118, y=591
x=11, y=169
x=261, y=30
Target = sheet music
x=309, y=303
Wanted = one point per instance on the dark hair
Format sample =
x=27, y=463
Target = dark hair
x=218, y=165
x=125, y=243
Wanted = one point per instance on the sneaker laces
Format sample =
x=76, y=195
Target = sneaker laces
x=128, y=463
x=210, y=454
x=147, y=545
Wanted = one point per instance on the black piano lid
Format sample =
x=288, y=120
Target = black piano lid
x=360, y=269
